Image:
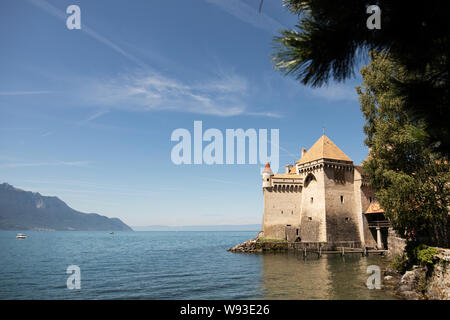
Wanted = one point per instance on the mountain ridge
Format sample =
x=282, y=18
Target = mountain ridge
x=27, y=210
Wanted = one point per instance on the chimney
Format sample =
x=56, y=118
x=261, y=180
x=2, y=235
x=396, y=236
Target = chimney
x=303, y=152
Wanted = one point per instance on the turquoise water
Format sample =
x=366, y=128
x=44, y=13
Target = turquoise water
x=172, y=265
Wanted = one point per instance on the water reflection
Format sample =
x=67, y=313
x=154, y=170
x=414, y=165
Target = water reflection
x=290, y=276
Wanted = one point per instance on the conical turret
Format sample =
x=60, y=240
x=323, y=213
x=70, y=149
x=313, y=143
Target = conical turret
x=267, y=173
x=324, y=148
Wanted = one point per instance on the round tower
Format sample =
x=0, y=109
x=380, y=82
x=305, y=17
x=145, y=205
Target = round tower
x=266, y=176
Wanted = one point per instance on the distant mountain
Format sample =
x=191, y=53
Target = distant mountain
x=25, y=210
x=220, y=227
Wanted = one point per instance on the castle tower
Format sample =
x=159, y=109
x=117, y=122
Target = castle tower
x=266, y=176
x=330, y=211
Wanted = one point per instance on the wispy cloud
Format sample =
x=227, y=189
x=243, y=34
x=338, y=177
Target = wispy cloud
x=88, y=187
x=273, y=83
x=223, y=95
x=248, y=14
x=335, y=92
x=290, y=154
x=44, y=5
x=94, y=116
x=265, y=114
x=21, y=93
x=16, y=129
x=224, y=181
x=43, y=164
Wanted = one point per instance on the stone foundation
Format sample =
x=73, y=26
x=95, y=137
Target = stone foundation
x=396, y=245
x=254, y=245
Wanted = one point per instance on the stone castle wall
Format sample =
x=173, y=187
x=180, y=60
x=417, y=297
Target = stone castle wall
x=366, y=195
x=343, y=220
x=313, y=224
x=281, y=213
x=396, y=245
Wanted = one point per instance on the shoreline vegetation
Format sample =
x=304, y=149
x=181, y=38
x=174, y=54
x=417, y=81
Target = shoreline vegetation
x=424, y=274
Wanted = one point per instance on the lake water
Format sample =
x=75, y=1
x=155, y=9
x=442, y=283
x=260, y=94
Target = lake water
x=172, y=265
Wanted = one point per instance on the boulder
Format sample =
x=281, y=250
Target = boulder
x=412, y=284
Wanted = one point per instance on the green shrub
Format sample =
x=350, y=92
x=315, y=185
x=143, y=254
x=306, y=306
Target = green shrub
x=425, y=254
x=400, y=263
x=420, y=254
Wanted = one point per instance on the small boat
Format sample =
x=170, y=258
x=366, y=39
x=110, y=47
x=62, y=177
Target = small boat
x=21, y=236
x=111, y=233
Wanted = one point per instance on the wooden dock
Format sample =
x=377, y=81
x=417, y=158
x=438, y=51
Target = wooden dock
x=343, y=251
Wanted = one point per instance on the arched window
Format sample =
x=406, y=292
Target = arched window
x=310, y=177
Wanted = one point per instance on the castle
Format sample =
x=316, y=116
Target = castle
x=323, y=198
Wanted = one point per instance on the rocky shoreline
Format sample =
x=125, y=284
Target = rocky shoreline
x=431, y=282
x=256, y=246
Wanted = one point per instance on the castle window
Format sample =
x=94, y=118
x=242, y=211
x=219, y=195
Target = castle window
x=310, y=218
x=292, y=211
x=296, y=232
x=347, y=219
x=312, y=199
x=370, y=199
x=342, y=199
x=308, y=179
x=267, y=179
x=281, y=211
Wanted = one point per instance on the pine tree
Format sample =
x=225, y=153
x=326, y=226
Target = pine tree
x=331, y=38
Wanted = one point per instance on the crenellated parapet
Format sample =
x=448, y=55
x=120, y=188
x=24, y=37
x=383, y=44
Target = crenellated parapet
x=317, y=165
x=287, y=183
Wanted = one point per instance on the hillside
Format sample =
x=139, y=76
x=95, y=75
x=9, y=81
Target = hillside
x=26, y=210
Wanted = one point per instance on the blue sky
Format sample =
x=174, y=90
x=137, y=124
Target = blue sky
x=87, y=115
